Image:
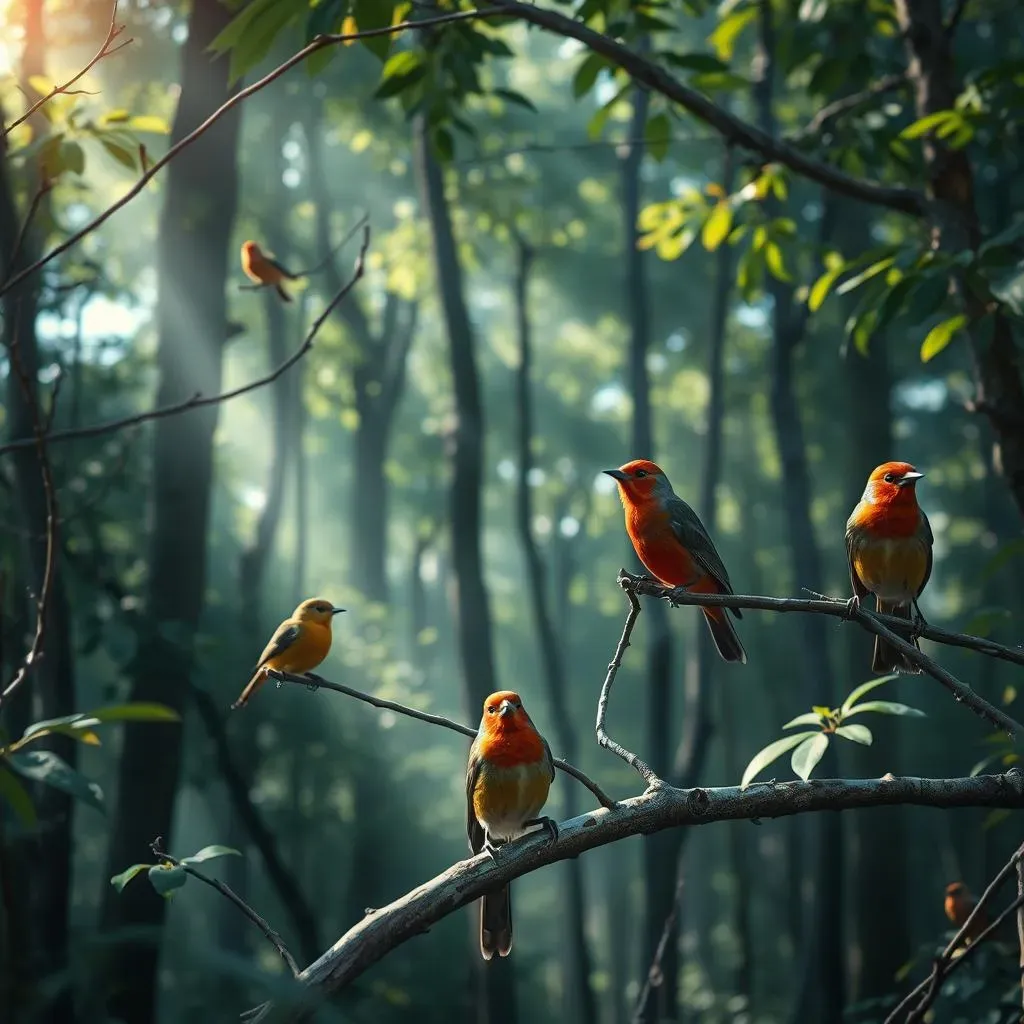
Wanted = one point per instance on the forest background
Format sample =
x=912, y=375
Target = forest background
x=769, y=244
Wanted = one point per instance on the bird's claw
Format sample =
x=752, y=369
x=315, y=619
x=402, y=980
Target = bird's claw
x=548, y=824
x=314, y=681
x=852, y=607
x=491, y=850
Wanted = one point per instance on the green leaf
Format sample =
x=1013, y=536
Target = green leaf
x=149, y=123
x=773, y=752
x=209, y=853
x=886, y=707
x=865, y=275
x=657, y=135
x=774, y=262
x=858, y=692
x=166, y=878
x=595, y=126
x=702, y=62
x=806, y=756
x=940, y=336
x=119, y=116
x=121, y=880
x=399, y=83
x=586, y=74
x=857, y=733
x=46, y=767
x=121, y=154
x=725, y=36
x=821, y=287
x=927, y=123
x=809, y=718
x=400, y=64
x=13, y=793
x=444, y=144
x=135, y=711
x=717, y=226
x=517, y=98
x=231, y=34
x=371, y=14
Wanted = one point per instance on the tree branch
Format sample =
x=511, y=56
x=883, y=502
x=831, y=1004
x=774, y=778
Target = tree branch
x=646, y=72
x=846, y=104
x=197, y=400
x=313, y=682
x=104, y=51
x=226, y=891
x=872, y=622
x=660, y=807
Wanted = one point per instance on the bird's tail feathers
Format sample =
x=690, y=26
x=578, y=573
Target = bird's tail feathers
x=723, y=632
x=496, y=923
x=888, y=658
x=250, y=688
x=284, y=295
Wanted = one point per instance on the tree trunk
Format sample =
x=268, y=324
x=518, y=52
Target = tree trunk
x=192, y=257
x=48, y=861
x=999, y=387
x=821, y=992
x=580, y=1003
x=472, y=606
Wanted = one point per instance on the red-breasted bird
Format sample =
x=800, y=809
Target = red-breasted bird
x=264, y=269
x=958, y=905
x=889, y=548
x=507, y=780
x=298, y=645
x=671, y=541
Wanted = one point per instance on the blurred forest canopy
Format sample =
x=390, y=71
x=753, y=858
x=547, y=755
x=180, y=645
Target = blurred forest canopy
x=768, y=243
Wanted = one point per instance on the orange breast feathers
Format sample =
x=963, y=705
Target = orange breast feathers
x=649, y=526
x=306, y=651
x=260, y=267
x=889, y=550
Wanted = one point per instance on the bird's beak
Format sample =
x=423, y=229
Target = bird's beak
x=335, y=611
x=505, y=708
x=617, y=474
x=909, y=478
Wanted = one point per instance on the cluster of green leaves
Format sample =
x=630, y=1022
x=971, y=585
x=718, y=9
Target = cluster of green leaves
x=168, y=875
x=72, y=127
x=49, y=768
x=809, y=746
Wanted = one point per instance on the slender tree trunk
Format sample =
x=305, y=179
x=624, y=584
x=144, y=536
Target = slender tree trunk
x=48, y=853
x=192, y=256
x=580, y=1003
x=473, y=615
x=821, y=996
x=999, y=387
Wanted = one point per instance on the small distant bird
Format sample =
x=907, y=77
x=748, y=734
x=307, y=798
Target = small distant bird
x=889, y=548
x=510, y=771
x=298, y=645
x=671, y=541
x=958, y=905
x=264, y=269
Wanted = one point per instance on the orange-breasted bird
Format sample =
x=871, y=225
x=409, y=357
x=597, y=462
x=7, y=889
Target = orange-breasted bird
x=264, y=269
x=507, y=780
x=889, y=548
x=671, y=541
x=958, y=905
x=298, y=645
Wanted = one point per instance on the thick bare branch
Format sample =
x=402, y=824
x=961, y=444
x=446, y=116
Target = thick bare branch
x=313, y=682
x=197, y=401
x=873, y=623
x=660, y=807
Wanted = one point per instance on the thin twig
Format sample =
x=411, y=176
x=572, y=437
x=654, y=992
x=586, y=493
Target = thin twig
x=35, y=651
x=655, y=978
x=317, y=682
x=226, y=890
x=104, y=51
x=870, y=621
x=846, y=104
x=942, y=967
x=45, y=187
x=198, y=400
x=319, y=43
x=642, y=768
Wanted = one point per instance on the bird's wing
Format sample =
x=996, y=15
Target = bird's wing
x=551, y=760
x=473, y=828
x=924, y=531
x=286, y=634
x=852, y=532
x=690, y=532
x=282, y=269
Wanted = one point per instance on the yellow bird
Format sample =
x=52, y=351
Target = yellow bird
x=298, y=645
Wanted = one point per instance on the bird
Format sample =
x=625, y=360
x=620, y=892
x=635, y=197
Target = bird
x=264, y=269
x=889, y=549
x=671, y=541
x=509, y=774
x=298, y=645
x=958, y=905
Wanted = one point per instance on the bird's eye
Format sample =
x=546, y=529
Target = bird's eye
x=640, y=474
x=888, y=478
x=491, y=710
